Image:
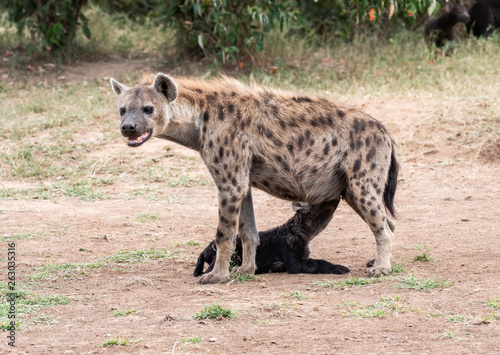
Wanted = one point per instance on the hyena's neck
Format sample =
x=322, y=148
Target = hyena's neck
x=184, y=126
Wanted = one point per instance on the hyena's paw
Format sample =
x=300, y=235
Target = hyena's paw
x=370, y=262
x=213, y=278
x=377, y=271
x=245, y=269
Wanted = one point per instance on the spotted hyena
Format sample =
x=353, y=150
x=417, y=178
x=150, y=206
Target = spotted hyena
x=300, y=148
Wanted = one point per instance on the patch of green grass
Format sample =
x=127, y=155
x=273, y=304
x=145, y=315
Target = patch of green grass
x=188, y=181
x=97, y=237
x=348, y=282
x=367, y=313
x=191, y=243
x=423, y=257
x=124, y=312
x=423, y=285
x=116, y=341
x=397, y=269
x=214, y=311
x=348, y=304
x=242, y=278
x=494, y=303
x=262, y=322
x=296, y=295
x=137, y=256
x=85, y=193
x=18, y=236
x=449, y=334
x=147, y=217
x=489, y=318
x=456, y=319
x=192, y=340
x=70, y=270
x=419, y=247
x=436, y=314
x=385, y=306
x=44, y=319
x=27, y=302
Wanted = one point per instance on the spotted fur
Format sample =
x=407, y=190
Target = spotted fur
x=295, y=147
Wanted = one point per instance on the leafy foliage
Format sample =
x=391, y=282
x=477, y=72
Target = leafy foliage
x=223, y=29
x=54, y=22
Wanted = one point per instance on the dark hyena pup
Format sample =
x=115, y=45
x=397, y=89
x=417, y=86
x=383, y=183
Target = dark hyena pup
x=285, y=248
x=440, y=29
x=296, y=147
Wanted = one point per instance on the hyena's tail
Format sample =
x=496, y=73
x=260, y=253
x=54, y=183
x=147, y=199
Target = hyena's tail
x=392, y=183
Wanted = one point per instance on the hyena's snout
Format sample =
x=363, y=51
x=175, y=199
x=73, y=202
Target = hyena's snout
x=136, y=133
x=129, y=128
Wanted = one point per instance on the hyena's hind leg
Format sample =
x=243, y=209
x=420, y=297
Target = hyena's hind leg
x=392, y=226
x=368, y=202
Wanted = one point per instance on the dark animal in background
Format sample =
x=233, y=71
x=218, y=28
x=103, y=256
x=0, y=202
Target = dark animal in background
x=440, y=29
x=484, y=17
x=285, y=248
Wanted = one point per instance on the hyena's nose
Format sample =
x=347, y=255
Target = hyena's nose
x=129, y=127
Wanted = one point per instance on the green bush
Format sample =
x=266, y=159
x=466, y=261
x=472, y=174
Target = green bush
x=51, y=23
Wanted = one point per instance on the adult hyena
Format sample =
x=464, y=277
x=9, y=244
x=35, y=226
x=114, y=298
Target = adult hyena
x=298, y=148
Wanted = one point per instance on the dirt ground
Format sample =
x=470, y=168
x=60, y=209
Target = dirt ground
x=448, y=204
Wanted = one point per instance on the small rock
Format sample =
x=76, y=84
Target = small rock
x=212, y=340
x=316, y=309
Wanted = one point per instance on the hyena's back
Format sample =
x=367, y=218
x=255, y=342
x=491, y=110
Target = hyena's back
x=307, y=149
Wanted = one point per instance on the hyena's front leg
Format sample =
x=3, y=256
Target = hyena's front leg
x=225, y=238
x=249, y=236
x=232, y=180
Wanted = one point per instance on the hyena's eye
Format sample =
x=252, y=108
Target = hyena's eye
x=122, y=111
x=148, y=109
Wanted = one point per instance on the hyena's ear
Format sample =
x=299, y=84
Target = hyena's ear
x=166, y=86
x=117, y=87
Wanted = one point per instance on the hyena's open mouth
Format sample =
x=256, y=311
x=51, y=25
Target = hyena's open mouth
x=137, y=141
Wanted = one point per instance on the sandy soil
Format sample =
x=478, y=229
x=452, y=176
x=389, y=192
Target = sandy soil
x=447, y=202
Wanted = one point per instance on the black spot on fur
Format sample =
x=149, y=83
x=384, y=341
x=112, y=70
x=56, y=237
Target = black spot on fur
x=219, y=234
x=223, y=202
x=308, y=135
x=373, y=166
x=216, y=160
x=367, y=142
x=326, y=149
x=300, y=142
x=199, y=91
x=290, y=147
x=230, y=108
x=221, y=113
x=357, y=165
x=221, y=152
x=301, y=99
x=373, y=212
x=231, y=209
x=340, y=113
x=334, y=142
x=206, y=116
x=370, y=154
